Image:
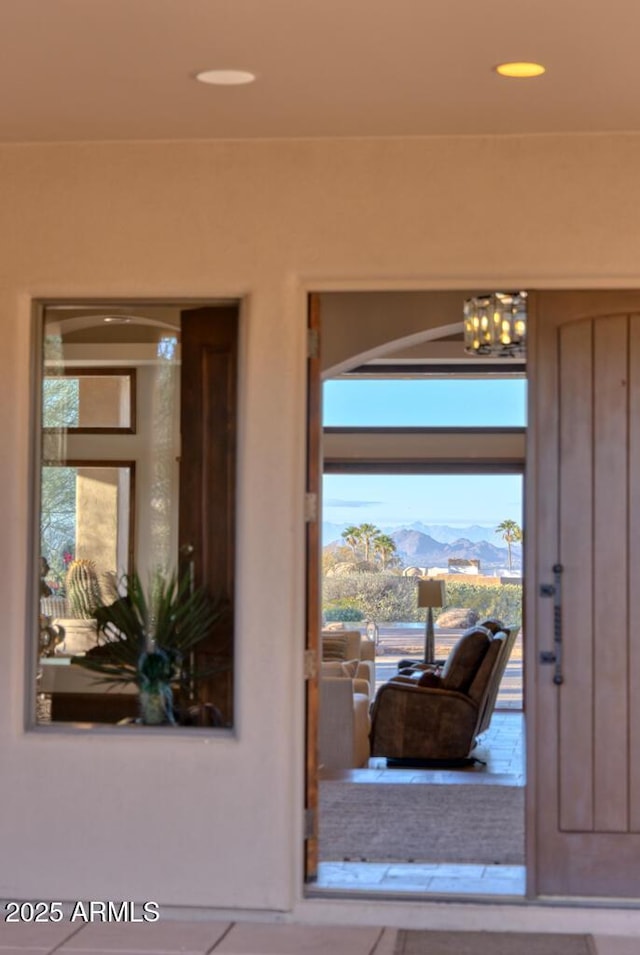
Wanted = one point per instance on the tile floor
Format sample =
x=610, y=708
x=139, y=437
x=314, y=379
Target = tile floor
x=194, y=938
x=223, y=938
x=502, y=749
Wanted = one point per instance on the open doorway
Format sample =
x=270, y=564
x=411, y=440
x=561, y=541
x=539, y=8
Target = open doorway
x=422, y=481
x=464, y=828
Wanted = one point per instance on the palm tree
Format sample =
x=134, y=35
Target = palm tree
x=351, y=536
x=368, y=534
x=511, y=533
x=384, y=547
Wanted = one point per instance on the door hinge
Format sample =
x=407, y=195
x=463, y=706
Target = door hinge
x=310, y=664
x=309, y=823
x=310, y=508
x=313, y=343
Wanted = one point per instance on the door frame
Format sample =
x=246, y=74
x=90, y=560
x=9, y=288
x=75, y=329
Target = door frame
x=489, y=465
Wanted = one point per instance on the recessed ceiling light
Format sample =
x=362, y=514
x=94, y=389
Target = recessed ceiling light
x=520, y=70
x=226, y=77
x=116, y=319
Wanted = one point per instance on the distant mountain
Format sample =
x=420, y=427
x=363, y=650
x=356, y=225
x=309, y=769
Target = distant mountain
x=417, y=548
x=443, y=533
x=447, y=534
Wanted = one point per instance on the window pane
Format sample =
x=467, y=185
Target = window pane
x=382, y=533
x=85, y=513
x=87, y=401
x=60, y=402
x=126, y=440
x=57, y=524
x=481, y=402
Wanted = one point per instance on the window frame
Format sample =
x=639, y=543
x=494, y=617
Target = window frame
x=89, y=372
x=38, y=457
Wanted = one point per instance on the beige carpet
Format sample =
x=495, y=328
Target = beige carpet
x=489, y=943
x=413, y=822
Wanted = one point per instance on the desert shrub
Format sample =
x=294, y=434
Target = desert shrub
x=386, y=598
x=381, y=597
x=499, y=600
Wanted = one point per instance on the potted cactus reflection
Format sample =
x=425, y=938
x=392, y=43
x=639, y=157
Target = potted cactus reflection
x=83, y=589
x=83, y=598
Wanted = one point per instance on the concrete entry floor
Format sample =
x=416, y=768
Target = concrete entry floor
x=226, y=938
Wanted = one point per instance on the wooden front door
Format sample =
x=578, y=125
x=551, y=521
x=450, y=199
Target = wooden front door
x=208, y=424
x=313, y=594
x=583, y=546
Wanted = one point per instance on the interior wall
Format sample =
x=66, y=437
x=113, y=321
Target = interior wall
x=217, y=820
x=363, y=323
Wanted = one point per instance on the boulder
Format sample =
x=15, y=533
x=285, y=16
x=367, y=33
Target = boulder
x=457, y=618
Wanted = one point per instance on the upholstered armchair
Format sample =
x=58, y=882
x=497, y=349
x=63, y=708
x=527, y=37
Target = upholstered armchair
x=347, y=686
x=343, y=729
x=349, y=645
x=437, y=715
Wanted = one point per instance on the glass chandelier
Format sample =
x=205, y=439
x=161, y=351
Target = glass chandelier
x=496, y=324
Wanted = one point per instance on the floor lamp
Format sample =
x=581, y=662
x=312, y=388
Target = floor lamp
x=430, y=595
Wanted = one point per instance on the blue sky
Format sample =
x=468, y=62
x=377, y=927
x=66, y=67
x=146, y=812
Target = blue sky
x=430, y=402
x=456, y=500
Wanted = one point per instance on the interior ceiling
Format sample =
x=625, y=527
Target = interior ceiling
x=122, y=69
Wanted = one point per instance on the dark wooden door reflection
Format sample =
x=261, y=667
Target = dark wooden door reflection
x=208, y=423
x=313, y=588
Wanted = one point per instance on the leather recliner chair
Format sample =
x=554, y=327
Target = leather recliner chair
x=433, y=715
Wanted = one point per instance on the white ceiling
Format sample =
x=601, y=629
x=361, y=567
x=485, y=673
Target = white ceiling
x=122, y=69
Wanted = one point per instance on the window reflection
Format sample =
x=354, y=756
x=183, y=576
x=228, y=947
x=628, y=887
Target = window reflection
x=109, y=485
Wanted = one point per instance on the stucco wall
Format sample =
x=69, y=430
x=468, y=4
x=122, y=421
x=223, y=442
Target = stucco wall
x=218, y=821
